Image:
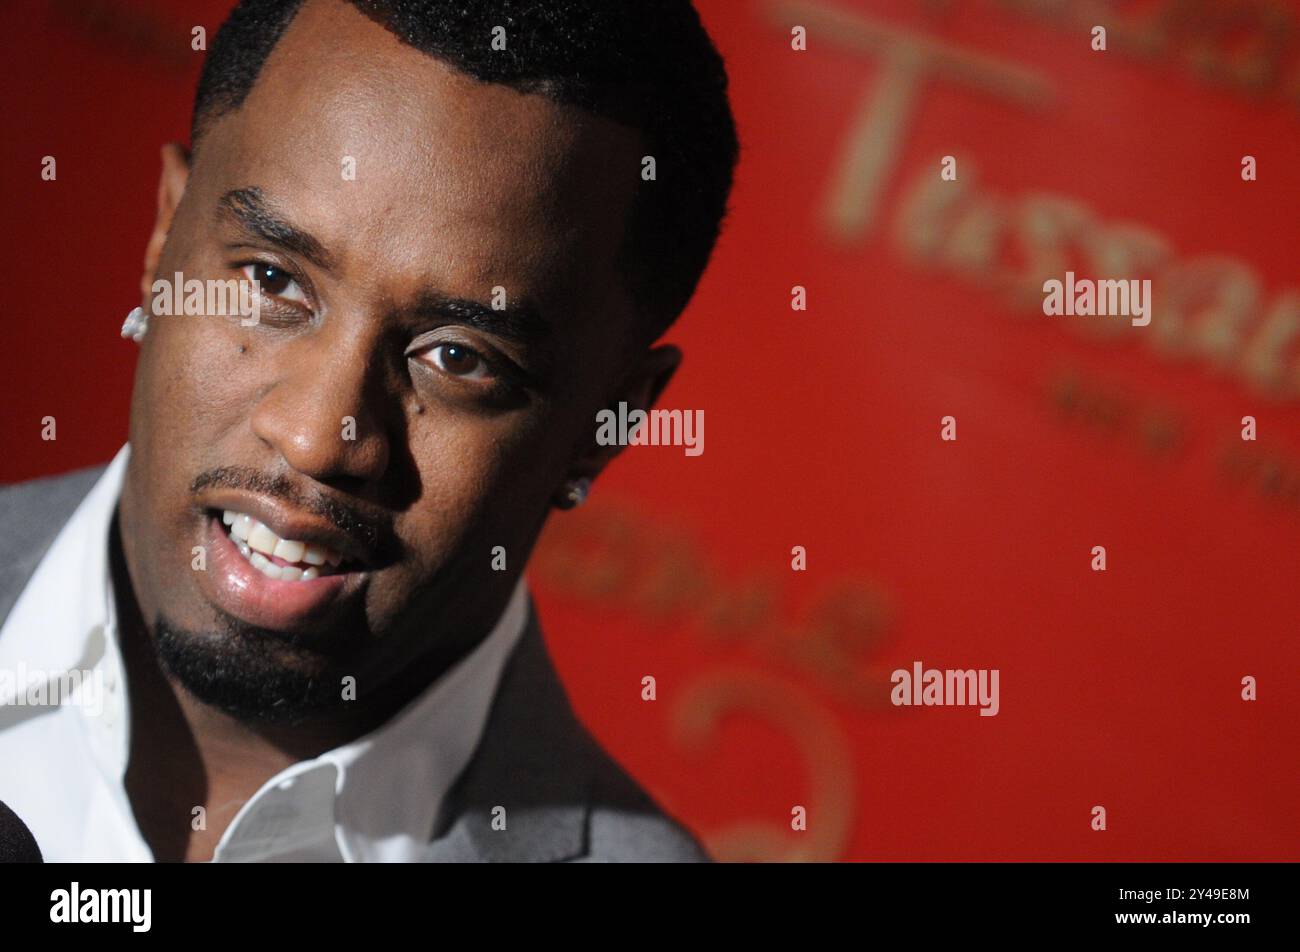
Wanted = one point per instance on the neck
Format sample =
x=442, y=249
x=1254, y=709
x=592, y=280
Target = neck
x=184, y=754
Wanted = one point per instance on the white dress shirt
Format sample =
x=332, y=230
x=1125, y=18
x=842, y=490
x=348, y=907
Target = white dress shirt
x=62, y=765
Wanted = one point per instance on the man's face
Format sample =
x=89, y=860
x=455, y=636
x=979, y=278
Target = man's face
x=368, y=410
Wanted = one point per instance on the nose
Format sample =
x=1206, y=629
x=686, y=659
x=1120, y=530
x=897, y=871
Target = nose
x=324, y=412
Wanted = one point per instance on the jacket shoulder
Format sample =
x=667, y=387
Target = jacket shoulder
x=566, y=796
x=32, y=505
x=624, y=823
x=627, y=825
x=31, y=515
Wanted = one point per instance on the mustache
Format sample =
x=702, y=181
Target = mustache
x=374, y=533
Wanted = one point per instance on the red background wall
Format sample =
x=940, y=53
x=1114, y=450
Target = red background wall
x=1120, y=688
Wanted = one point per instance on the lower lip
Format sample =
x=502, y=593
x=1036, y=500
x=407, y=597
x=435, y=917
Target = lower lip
x=244, y=592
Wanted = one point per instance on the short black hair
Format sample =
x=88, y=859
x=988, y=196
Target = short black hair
x=647, y=64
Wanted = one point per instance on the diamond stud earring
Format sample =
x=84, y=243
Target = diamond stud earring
x=576, y=492
x=136, y=325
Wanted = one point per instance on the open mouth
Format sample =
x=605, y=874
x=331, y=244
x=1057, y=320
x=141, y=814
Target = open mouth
x=286, y=560
x=299, y=585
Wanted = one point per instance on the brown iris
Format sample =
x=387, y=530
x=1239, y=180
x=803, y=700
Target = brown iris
x=456, y=359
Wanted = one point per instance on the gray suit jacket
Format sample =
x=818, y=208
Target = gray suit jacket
x=565, y=798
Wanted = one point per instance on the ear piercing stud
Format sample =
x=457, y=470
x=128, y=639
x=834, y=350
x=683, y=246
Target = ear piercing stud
x=136, y=325
x=576, y=492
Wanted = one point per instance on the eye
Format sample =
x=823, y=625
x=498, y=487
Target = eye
x=274, y=281
x=459, y=361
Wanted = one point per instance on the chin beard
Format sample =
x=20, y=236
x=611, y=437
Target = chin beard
x=251, y=674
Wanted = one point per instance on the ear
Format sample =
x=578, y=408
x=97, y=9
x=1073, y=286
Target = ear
x=640, y=390
x=171, y=186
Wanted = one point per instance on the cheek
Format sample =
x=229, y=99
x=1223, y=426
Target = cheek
x=478, y=476
x=191, y=391
x=460, y=458
x=186, y=396
x=200, y=381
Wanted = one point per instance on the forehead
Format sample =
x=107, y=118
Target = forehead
x=450, y=173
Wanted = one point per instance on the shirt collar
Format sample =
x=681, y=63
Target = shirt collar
x=427, y=745
x=388, y=785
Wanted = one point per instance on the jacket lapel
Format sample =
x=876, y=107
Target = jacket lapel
x=534, y=760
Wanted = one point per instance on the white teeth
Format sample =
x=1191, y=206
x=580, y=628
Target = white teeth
x=265, y=565
x=263, y=539
x=257, y=543
x=289, y=550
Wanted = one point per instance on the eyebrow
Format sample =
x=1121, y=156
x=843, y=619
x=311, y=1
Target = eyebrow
x=521, y=321
x=250, y=210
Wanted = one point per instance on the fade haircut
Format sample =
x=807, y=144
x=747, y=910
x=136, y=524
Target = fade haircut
x=646, y=64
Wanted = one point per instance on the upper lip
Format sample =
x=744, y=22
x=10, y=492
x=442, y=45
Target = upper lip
x=290, y=523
